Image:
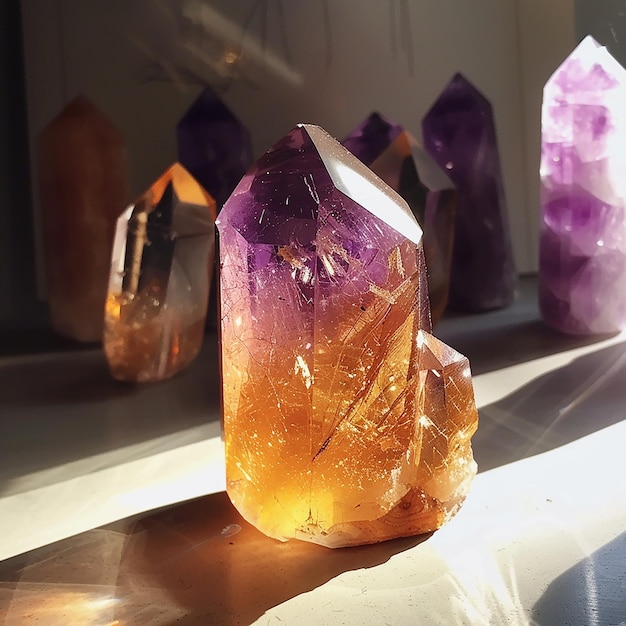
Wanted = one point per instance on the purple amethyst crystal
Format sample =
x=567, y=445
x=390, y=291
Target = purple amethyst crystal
x=372, y=137
x=392, y=153
x=459, y=133
x=213, y=145
x=582, y=268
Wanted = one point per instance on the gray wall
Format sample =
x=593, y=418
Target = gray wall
x=605, y=20
x=18, y=304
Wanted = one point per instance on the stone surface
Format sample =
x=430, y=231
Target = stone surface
x=83, y=177
x=213, y=145
x=161, y=269
x=582, y=272
x=459, y=133
x=394, y=154
x=345, y=421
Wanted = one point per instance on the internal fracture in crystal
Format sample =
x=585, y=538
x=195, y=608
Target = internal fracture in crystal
x=392, y=153
x=582, y=270
x=161, y=270
x=345, y=421
x=460, y=134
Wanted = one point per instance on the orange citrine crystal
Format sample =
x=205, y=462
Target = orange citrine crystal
x=83, y=176
x=346, y=422
x=161, y=270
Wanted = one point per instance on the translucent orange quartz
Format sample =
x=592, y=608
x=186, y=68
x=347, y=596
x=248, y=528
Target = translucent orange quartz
x=160, y=280
x=83, y=178
x=345, y=421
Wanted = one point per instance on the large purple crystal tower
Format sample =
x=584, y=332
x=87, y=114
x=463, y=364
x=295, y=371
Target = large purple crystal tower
x=459, y=133
x=213, y=145
x=582, y=268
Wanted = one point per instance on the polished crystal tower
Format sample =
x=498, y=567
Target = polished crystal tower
x=345, y=421
x=83, y=178
x=161, y=270
x=459, y=133
x=582, y=271
x=394, y=154
x=213, y=145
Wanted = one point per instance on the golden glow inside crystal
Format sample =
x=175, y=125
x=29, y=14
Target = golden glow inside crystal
x=346, y=422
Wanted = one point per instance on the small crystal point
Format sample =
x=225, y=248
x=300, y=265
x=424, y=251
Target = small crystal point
x=161, y=270
x=213, y=145
x=345, y=421
x=394, y=154
x=459, y=133
x=83, y=177
x=582, y=268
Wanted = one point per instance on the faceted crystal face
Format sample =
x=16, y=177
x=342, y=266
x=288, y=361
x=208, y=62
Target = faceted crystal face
x=83, y=177
x=213, y=145
x=583, y=194
x=459, y=133
x=345, y=422
x=161, y=271
x=395, y=155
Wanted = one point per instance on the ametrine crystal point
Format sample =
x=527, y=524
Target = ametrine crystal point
x=582, y=270
x=213, y=145
x=459, y=133
x=345, y=421
x=161, y=270
x=394, y=155
x=83, y=176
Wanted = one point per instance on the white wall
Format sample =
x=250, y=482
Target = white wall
x=391, y=56
x=546, y=37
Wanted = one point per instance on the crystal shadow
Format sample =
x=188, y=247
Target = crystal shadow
x=194, y=563
x=554, y=409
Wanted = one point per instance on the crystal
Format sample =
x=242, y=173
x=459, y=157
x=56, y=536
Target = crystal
x=394, y=154
x=582, y=270
x=459, y=133
x=345, y=421
x=161, y=269
x=83, y=177
x=213, y=145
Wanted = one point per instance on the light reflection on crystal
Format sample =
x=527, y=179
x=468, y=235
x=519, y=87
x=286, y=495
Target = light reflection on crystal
x=326, y=358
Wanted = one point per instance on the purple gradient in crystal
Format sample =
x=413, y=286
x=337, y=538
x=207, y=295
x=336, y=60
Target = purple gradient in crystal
x=459, y=133
x=299, y=228
x=213, y=145
x=582, y=265
x=372, y=137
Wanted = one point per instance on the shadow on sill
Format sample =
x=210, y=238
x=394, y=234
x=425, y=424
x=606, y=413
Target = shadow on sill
x=554, y=409
x=194, y=563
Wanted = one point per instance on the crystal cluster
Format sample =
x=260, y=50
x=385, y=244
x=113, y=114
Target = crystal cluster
x=161, y=270
x=582, y=273
x=83, y=176
x=213, y=145
x=345, y=421
x=394, y=154
x=459, y=133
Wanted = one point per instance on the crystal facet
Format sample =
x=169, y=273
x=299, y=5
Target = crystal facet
x=213, y=145
x=582, y=273
x=459, y=133
x=394, y=154
x=161, y=269
x=83, y=176
x=345, y=421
